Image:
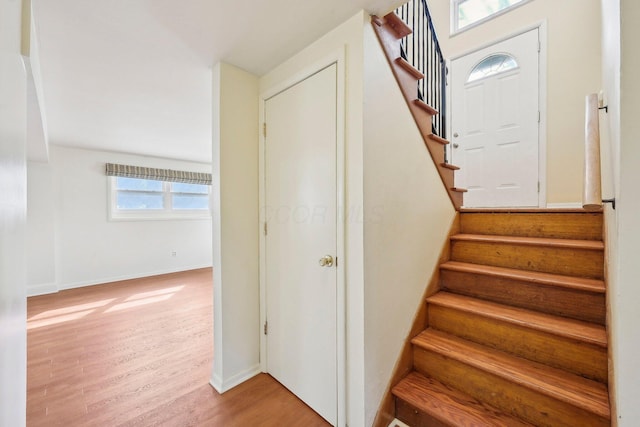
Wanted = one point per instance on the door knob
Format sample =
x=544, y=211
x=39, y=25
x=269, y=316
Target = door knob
x=456, y=145
x=326, y=261
x=455, y=134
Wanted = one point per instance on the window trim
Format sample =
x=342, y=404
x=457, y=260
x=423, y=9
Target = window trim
x=453, y=24
x=167, y=213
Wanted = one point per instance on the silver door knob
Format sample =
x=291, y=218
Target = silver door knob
x=326, y=261
x=456, y=145
x=455, y=134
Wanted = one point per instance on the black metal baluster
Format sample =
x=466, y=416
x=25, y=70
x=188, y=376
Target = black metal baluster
x=422, y=50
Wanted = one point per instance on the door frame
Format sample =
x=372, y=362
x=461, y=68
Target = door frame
x=337, y=57
x=542, y=99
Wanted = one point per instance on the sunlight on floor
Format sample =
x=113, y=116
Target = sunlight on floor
x=138, y=302
x=71, y=309
x=58, y=319
x=78, y=311
x=154, y=293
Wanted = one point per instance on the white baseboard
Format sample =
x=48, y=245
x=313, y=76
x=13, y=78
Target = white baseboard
x=570, y=205
x=43, y=289
x=397, y=423
x=222, y=386
x=104, y=280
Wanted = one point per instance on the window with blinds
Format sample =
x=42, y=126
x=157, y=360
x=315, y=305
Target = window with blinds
x=147, y=193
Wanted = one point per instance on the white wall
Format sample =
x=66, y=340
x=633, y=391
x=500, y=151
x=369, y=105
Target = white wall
x=621, y=65
x=345, y=38
x=235, y=227
x=573, y=71
x=13, y=199
x=408, y=215
x=41, y=260
x=88, y=248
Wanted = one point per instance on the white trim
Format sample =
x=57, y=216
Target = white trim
x=542, y=106
x=568, y=205
x=397, y=423
x=237, y=379
x=42, y=289
x=104, y=280
x=542, y=99
x=337, y=57
x=453, y=17
x=539, y=24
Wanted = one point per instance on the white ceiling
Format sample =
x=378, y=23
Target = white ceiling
x=135, y=75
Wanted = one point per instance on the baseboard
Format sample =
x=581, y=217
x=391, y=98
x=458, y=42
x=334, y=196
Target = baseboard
x=571, y=205
x=43, y=289
x=222, y=386
x=104, y=280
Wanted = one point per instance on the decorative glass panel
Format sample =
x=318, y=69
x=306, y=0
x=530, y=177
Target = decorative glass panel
x=495, y=64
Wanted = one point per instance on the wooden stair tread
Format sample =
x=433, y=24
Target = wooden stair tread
x=438, y=139
x=450, y=166
x=580, y=392
x=459, y=190
x=450, y=406
x=560, y=326
x=531, y=241
x=547, y=279
x=426, y=107
x=525, y=210
x=397, y=25
x=410, y=68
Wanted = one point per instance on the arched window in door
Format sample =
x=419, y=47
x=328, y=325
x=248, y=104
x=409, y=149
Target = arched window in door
x=492, y=65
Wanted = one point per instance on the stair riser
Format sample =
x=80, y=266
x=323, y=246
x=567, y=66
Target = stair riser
x=583, y=359
x=416, y=418
x=566, y=261
x=510, y=397
x=579, y=226
x=587, y=306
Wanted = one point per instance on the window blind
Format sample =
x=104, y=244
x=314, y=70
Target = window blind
x=141, y=172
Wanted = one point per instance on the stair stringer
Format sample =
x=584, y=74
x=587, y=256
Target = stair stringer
x=389, y=33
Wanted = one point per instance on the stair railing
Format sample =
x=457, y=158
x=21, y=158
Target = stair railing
x=592, y=188
x=422, y=50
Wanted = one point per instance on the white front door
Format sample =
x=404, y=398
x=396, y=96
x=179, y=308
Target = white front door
x=301, y=215
x=494, y=123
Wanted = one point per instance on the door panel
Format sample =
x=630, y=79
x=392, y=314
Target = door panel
x=495, y=124
x=301, y=214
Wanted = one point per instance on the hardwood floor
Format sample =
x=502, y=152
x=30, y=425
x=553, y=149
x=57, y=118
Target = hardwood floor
x=139, y=353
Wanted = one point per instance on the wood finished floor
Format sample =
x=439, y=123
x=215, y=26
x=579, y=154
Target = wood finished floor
x=139, y=353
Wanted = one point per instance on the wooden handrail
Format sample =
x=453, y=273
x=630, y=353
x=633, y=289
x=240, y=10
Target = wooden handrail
x=592, y=192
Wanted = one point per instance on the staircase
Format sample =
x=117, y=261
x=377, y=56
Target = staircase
x=516, y=333
x=390, y=31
